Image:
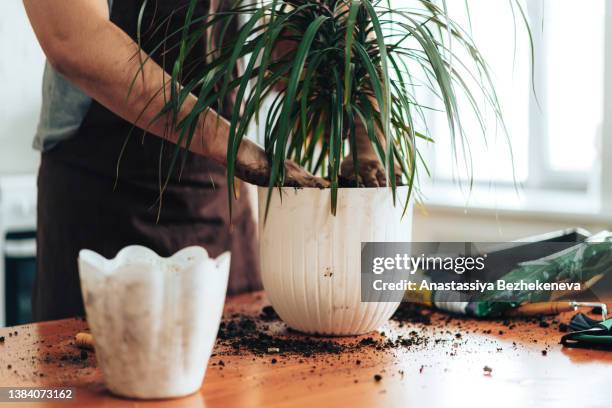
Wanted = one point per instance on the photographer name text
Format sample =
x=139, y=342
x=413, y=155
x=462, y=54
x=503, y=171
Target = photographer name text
x=502, y=285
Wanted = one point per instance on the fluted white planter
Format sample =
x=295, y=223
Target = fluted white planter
x=311, y=259
x=154, y=320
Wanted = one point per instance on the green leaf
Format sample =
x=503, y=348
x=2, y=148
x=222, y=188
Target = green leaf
x=348, y=48
x=279, y=152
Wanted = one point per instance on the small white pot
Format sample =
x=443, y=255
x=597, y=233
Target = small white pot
x=310, y=259
x=154, y=320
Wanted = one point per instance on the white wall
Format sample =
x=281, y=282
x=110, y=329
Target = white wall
x=21, y=66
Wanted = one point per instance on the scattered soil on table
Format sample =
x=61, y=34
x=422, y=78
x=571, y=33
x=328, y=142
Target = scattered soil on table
x=61, y=353
x=264, y=334
x=412, y=313
x=78, y=358
x=242, y=333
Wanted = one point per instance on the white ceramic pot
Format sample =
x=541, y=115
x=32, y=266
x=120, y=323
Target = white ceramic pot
x=154, y=320
x=311, y=259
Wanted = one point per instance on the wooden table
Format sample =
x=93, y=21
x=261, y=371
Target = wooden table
x=446, y=372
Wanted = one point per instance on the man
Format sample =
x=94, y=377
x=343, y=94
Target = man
x=84, y=126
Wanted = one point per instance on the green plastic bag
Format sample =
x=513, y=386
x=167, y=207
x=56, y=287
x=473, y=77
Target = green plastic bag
x=580, y=263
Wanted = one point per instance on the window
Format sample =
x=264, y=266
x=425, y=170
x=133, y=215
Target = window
x=573, y=85
x=554, y=136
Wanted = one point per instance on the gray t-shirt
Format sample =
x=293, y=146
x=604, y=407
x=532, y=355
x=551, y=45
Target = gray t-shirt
x=64, y=107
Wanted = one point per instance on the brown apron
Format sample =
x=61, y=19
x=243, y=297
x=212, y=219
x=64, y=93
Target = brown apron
x=78, y=206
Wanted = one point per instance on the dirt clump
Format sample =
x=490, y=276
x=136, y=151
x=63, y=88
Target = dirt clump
x=412, y=313
x=268, y=314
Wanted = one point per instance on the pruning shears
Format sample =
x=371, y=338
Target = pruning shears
x=588, y=332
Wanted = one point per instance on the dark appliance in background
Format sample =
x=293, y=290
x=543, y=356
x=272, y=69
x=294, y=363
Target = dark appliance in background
x=17, y=247
x=19, y=271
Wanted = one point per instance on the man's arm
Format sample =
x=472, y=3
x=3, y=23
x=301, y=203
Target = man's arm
x=93, y=53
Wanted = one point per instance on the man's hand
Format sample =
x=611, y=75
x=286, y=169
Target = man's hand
x=252, y=166
x=371, y=172
x=295, y=176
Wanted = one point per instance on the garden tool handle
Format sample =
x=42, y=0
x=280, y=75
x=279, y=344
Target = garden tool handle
x=542, y=308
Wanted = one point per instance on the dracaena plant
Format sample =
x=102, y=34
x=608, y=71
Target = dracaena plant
x=351, y=62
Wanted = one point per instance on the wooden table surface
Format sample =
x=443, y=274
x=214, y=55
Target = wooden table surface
x=444, y=372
